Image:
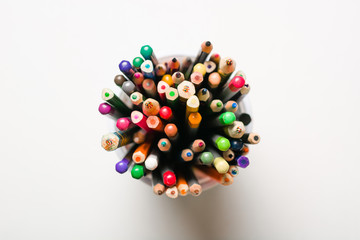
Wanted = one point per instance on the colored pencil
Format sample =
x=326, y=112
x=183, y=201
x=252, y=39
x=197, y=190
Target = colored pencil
x=128, y=87
x=172, y=192
x=158, y=185
x=139, y=136
x=162, y=88
x=142, y=151
x=235, y=130
x=168, y=79
x=137, y=99
x=198, y=146
x=233, y=171
x=119, y=80
x=206, y=48
x=205, y=158
x=110, y=111
x=124, y=123
x=139, y=119
x=152, y=161
x=138, y=78
x=123, y=105
x=182, y=184
x=149, y=87
x=123, y=165
x=242, y=161
x=220, y=142
x=155, y=123
x=186, y=64
x=160, y=71
x=177, y=78
x=164, y=145
x=147, y=69
x=166, y=113
x=113, y=141
x=171, y=131
x=151, y=107
x=148, y=53
x=138, y=171
x=187, y=155
x=137, y=63
x=226, y=68
x=194, y=186
x=228, y=155
x=215, y=58
x=126, y=68
x=174, y=66
x=251, y=138
x=196, y=78
x=185, y=89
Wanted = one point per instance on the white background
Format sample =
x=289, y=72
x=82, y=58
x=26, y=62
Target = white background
x=301, y=58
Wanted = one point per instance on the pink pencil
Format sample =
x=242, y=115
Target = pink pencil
x=124, y=123
x=140, y=119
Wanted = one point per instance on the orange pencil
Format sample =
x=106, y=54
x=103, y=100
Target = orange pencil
x=155, y=123
x=168, y=79
x=142, y=151
x=224, y=179
x=181, y=184
x=171, y=131
x=214, y=80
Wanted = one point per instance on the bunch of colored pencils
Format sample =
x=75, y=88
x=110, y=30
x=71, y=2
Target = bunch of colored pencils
x=179, y=120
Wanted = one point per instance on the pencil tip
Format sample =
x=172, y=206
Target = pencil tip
x=208, y=43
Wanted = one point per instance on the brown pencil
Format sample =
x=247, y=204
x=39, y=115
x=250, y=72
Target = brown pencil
x=140, y=136
x=194, y=186
x=157, y=183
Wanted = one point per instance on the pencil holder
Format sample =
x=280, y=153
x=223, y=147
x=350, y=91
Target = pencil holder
x=174, y=116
